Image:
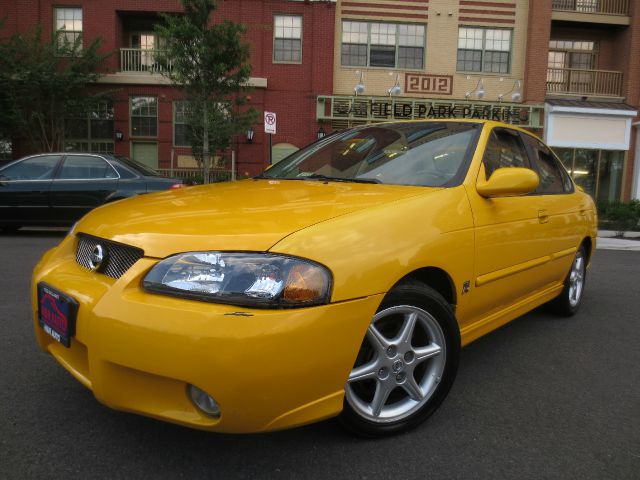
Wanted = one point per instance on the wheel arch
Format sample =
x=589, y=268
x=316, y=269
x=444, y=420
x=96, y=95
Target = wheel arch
x=587, y=243
x=437, y=279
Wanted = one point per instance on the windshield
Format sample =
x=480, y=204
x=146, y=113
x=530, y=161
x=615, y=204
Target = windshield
x=138, y=167
x=430, y=154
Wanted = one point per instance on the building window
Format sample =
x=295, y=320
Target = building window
x=144, y=117
x=355, y=39
x=180, y=124
x=598, y=172
x=569, y=64
x=485, y=50
x=287, y=41
x=389, y=45
x=68, y=24
x=143, y=51
x=6, y=149
x=92, y=132
x=411, y=46
x=572, y=54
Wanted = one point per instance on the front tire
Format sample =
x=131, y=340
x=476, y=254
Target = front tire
x=568, y=302
x=406, y=364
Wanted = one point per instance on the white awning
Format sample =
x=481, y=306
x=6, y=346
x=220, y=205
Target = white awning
x=588, y=127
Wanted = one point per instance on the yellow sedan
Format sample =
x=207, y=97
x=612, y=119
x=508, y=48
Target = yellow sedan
x=343, y=281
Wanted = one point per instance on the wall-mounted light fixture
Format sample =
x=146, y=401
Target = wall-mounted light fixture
x=359, y=88
x=119, y=135
x=396, y=89
x=250, y=134
x=479, y=90
x=516, y=92
x=321, y=133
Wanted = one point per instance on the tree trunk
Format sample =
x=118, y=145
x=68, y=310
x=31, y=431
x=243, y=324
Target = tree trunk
x=205, y=143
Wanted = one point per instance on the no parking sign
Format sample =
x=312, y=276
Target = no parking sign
x=269, y=122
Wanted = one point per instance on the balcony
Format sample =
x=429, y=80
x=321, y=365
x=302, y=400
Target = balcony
x=585, y=83
x=138, y=60
x=613, y=12
x=606, y=7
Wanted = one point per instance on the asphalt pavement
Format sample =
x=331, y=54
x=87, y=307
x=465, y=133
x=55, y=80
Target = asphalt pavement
x=541, y=398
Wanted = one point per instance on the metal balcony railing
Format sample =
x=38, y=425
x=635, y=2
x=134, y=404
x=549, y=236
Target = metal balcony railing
x=606, y=7
x=584, y=82
x=140, y=60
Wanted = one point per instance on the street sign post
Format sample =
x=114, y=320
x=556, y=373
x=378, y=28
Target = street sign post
x=270, y=128
x=270, y=122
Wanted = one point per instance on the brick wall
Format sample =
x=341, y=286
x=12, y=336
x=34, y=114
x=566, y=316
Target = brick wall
x=538, y=34
x=291, y=89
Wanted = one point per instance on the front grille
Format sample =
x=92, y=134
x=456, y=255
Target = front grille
x=118, y=257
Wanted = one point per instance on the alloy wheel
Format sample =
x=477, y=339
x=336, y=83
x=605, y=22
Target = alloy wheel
x=576, y=279
x=399, y=366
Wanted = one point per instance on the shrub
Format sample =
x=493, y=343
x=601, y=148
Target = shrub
x=619, y=216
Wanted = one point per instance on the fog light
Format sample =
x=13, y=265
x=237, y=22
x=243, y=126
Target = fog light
x=204, y=401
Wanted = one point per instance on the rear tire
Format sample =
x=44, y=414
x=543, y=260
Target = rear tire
x=568, y=302
x=9, y=228
x=406, y=364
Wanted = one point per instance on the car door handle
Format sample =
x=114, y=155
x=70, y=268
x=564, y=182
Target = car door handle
x=543, y=216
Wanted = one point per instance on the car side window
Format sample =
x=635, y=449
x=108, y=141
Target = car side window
x=567, y=184
x=551, y=181
x=504, y=150
x=80, y=167
x=36, y=168
x=124, y=172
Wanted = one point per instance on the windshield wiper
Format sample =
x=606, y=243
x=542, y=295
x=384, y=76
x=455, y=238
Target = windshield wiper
x=317, y=176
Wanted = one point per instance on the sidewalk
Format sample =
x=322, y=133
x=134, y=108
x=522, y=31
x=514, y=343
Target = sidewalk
x=607, y=240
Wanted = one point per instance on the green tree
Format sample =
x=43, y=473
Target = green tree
x=208, y=62
x=43, y=83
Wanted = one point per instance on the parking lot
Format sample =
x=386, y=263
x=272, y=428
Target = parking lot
x=543, y=397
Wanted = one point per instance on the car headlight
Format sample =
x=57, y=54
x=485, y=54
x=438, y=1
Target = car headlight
x=246, y=279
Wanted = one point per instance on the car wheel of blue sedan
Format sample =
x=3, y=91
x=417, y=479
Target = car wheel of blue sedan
x=406, y=364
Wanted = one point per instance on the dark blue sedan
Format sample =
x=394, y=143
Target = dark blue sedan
x=56, y=189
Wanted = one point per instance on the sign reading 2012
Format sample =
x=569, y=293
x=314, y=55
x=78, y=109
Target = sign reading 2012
x=422, y=83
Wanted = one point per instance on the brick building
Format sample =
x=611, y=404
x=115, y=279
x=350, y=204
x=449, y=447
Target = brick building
x=145, y=119
x=567, y=69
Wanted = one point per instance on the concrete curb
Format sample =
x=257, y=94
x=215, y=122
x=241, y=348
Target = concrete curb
x=607, y=240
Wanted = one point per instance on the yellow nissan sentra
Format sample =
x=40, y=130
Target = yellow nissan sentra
x=343, y=281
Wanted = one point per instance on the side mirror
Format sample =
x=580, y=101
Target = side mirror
x=508, y=182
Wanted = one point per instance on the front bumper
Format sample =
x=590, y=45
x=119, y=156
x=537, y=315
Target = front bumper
x=137, y=352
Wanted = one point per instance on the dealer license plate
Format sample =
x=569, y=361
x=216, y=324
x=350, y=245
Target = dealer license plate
x=57, y=313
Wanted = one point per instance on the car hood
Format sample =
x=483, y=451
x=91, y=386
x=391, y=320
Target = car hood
x=246, y=215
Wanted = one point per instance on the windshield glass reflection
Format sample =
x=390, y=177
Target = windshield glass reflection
x=415, y=153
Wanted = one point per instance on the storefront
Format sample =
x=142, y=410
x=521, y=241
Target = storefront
x=592, y=140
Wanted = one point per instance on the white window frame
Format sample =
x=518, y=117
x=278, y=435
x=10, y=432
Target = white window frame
x=287, y=32
x=68, y=16
x=384, y=39
x=484, y=50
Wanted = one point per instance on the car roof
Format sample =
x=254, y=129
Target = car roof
x=479, y=121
